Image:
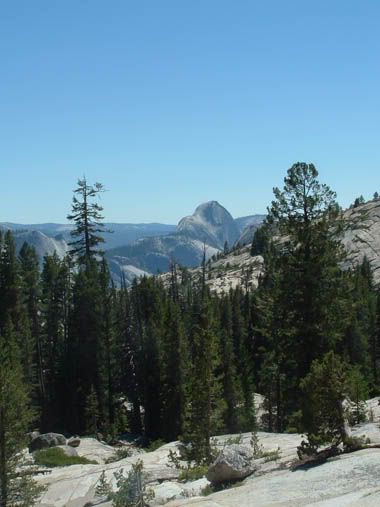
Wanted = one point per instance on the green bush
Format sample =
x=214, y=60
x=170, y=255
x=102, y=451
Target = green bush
x=103, y=487
x=273, y=455
x=259, y=452
x=192, y=473
x=154, y=445
x=238, y=439
x=55, y=457
x=121, y=453
x=131, y=490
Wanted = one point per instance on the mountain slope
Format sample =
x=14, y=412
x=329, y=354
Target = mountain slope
x=137, y=249
x=121, y=234
x=210, y=223
x=237, y=268
x=362, y=236
x=244, y=223
x=155, y=254
x=209, y=227
x=43, y=244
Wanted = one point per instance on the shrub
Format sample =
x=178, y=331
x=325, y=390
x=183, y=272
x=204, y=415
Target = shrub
x=192, y=473
x=326, y=387
x=273, y=455
x=259, y=452
x=103, y=487
x=256, y=446
x=121, y=453
x=132, y=491
x=155, y=444
x=234, y=440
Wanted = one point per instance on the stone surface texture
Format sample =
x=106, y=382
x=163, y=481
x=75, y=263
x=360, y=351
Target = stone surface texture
x=349, y=480
x=362, y=235
x=234, y=462
x=73, y=442
x=47, y=440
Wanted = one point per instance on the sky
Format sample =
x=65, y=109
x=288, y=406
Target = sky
x=171, y=103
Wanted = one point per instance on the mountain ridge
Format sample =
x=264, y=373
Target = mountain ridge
x=185, y=243
x=206, y=230
x=138, y=249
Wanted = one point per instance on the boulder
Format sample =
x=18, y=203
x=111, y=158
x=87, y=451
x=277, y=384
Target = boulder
x=47, y=440
x=234, y=462
x=32, y=435
x=73, y=442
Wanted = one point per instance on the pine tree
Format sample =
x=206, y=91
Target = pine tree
x=9, y=281
x=87, y=217
x=360, y=341
x=260, y=240
x=358, y=201
x=232, y=393
x=16, y=486
x=30, y=288
x=204, y=403
x=107, y=343
x=90, y=317
x=84, y=350
x=174, y=359
x=358, y=393
x=242, y=339
x=325, y=388
x=151, y=343
x=310, y=290
x=54, y=308
x=91, y=413
x=127, y=354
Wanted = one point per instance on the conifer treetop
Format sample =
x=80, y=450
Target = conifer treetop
x=87, y=217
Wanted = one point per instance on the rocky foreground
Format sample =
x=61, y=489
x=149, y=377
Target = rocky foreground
x=349, y=480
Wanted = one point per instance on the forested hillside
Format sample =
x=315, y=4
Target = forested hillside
x=174, y=359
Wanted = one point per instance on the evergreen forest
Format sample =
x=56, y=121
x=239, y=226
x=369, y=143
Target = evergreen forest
x=172, y=360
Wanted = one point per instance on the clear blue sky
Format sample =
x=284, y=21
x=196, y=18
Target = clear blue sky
x=170, y=103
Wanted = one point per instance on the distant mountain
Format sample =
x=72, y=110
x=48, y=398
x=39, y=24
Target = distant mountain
x=210, y=223
x=250, y=224
x=50, y=229
x=153, y=255
x=361, y=239
x=44, y=245
x=249, y=221
x=122, y=233
x=137, y=249
x=121, y=270
x=209, y=227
